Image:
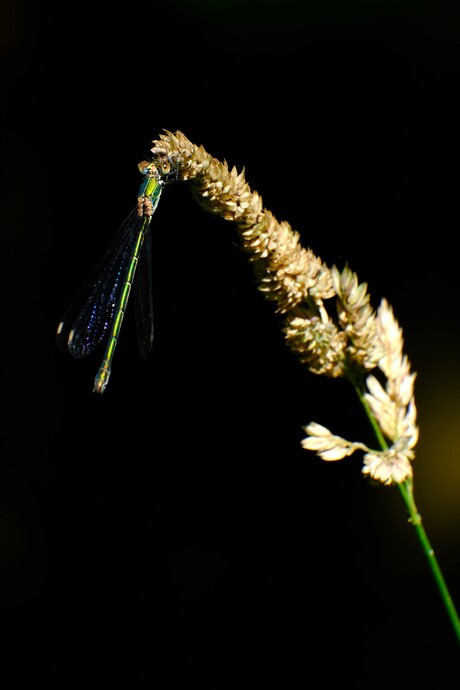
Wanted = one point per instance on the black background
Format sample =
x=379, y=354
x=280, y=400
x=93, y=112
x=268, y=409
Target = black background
x=173, y=533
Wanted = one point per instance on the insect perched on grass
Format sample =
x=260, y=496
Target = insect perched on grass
x=100, y=306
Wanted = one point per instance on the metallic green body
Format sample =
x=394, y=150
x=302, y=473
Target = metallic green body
x=150, y=189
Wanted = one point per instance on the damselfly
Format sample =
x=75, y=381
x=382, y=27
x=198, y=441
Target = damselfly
x=100, y=306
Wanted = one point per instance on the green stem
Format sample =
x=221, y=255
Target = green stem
x=406, y=491
x=370, y=416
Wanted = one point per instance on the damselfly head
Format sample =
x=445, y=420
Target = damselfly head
x=162, y=168
x=148, y=169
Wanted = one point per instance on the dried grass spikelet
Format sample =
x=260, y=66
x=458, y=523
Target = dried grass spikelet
x=392, y=406
x=357, y=319
x=317, y=341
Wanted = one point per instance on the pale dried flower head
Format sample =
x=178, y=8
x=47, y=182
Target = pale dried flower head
x=355, y=339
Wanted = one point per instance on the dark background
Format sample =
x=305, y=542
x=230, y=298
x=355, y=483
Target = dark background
x=173, y=533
